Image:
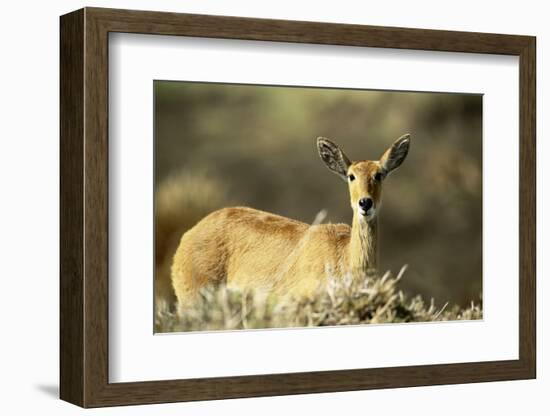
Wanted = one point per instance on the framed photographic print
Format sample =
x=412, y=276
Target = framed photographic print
x=255, y=207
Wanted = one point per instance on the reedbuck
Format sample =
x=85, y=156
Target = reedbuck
x=251, y=249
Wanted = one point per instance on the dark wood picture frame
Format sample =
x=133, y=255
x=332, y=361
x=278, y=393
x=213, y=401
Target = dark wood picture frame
x=84, y=207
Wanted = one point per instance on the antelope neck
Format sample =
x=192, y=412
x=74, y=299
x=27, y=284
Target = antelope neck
x=363, y=245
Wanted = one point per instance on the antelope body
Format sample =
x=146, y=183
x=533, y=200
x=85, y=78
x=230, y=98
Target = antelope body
x=251, y=249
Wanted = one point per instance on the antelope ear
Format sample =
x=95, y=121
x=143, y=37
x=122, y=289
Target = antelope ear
x=334, y=157
x=396, y=154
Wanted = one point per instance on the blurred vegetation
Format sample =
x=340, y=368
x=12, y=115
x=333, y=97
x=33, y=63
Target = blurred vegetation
x=375, y=300
x=258, y=144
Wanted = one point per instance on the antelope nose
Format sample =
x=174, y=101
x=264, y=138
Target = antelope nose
x=365, y=203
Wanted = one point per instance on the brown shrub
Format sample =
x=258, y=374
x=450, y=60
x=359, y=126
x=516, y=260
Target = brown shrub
x=374, y=300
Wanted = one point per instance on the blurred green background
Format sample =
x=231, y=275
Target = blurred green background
x=258, y=143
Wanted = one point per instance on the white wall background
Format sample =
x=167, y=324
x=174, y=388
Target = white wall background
x=29, y=159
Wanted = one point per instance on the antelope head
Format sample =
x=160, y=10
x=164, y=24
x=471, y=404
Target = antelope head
x=364, y=177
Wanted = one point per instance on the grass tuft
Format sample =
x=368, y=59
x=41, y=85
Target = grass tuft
x=374, y=300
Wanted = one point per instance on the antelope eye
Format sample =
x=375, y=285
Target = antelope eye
x=351, y=177
x=378, y=177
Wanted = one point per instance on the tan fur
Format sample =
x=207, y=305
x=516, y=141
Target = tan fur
x=255, y=250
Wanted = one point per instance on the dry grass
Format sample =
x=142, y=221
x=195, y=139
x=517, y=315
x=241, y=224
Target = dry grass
x=181, y=200
x=377, y=299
